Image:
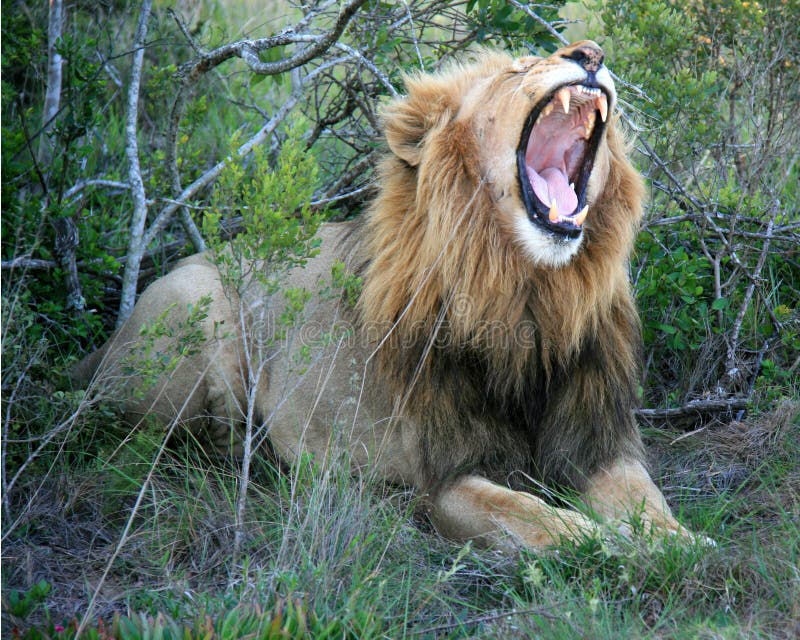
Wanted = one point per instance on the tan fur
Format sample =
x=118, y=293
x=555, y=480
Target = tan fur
x=474, y=369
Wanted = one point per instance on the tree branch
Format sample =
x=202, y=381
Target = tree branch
x=26, y=263
x=78, y=187
x=694, y=409
x=136, y=243
x=730, y=364
x=209, y=176
x=540, y=20
x=248, y=50
x=52, y=98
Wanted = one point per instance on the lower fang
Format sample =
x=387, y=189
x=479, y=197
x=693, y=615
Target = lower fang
x=553, y=214
x=581, y=217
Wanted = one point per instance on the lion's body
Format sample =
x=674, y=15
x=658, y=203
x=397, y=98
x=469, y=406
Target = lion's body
x=480, y=354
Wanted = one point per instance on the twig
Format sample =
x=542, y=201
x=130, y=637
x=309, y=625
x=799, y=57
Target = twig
x=730, y=365
x=367, y=63
x=540, y=20
x=182, y=26
x=248, y=51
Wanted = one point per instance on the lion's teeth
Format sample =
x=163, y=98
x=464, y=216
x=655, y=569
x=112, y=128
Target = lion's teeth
x=602, y=106
x=572, y=186
x=548, y=109
x=588, y=124
x=563, y=97
x=553, y=215
x=581, y=217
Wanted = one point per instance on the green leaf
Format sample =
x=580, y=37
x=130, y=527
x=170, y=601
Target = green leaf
x=719, y=304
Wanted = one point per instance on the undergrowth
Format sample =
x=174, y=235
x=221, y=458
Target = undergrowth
x=329, y=555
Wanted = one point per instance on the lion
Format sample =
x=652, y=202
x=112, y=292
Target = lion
x=494, y=345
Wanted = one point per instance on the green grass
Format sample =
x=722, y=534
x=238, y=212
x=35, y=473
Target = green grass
x=328, y=555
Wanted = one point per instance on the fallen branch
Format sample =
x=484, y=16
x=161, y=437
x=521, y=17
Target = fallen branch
x=694, y=409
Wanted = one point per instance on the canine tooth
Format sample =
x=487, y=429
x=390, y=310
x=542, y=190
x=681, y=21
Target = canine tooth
x=553, y=215
x=563, y=96
x=572, y=186
x=581, y=217
x=588, y=125
x=602, y=105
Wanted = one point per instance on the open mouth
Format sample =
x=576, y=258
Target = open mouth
x=556, y=155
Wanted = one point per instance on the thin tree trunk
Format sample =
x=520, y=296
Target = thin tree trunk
x=66, y=244
x=52, y=97
x=136, y=244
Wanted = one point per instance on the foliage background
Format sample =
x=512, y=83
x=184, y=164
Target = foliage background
x=709, y=91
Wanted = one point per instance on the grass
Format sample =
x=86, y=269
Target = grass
x=328, y=555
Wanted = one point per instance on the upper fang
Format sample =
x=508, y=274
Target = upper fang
x=563, y=97
x=602, y=106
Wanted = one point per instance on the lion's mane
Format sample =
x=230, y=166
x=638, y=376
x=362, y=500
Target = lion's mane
x=506, y=365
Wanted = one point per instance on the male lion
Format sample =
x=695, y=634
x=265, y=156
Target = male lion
x=494, y=343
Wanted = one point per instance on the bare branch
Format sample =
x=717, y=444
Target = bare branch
x=367, y=63
x=26, y=263
x=694, y=409
x=136, y=245
x=185, y=32
x=209, y=176
x=248, y=50
x=527, y=9
x=733, y=344
x=52, y=98
x=78, y=187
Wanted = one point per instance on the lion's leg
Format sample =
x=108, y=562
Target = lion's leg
x=473, y=508
x=625, y=489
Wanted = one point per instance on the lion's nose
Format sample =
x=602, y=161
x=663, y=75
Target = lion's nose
x=587, y=54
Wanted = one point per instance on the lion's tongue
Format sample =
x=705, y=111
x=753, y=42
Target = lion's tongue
x=551, y=184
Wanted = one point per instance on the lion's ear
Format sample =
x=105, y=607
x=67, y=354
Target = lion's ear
x=408, y=120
